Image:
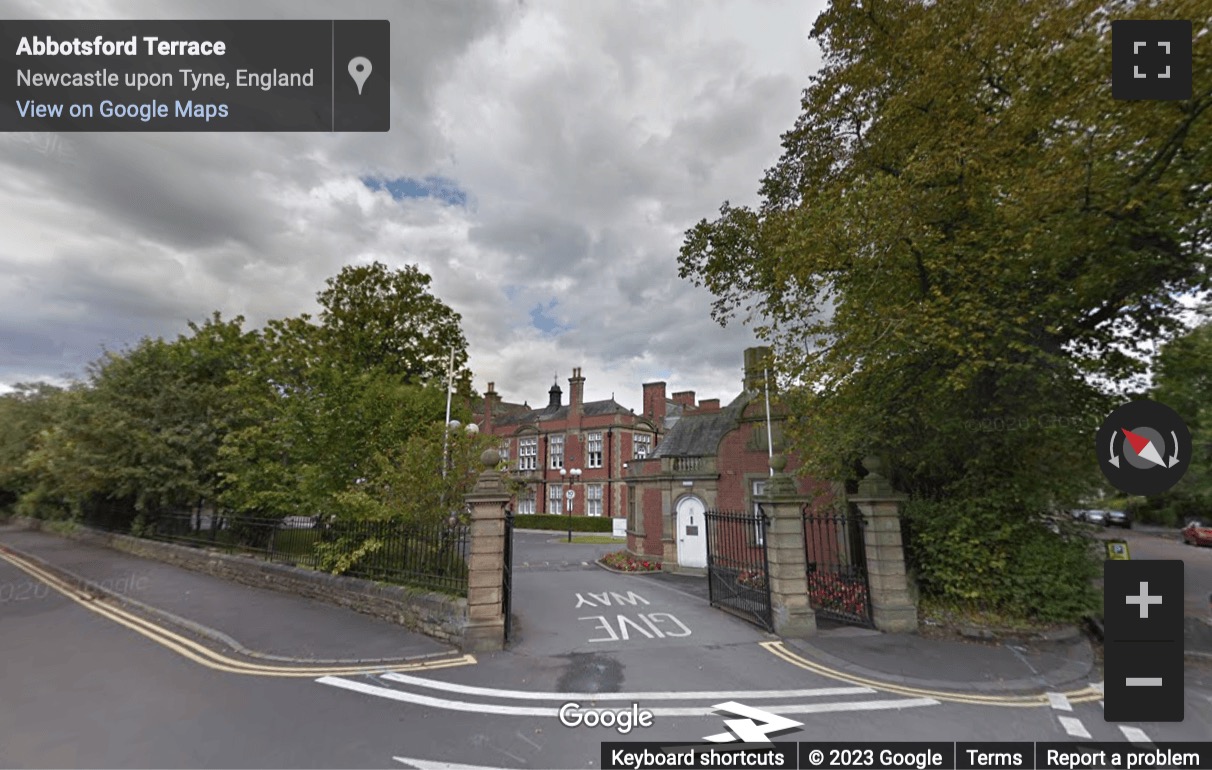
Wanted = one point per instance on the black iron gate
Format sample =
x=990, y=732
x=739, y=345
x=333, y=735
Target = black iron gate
x=507, y=573
x=737, y=569
x=836, y=556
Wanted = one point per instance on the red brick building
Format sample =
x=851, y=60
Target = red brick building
x=597, y=438
x=712, y=457
x=660, y=469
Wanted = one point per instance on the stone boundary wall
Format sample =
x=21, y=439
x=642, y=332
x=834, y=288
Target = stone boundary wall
x=433, y=614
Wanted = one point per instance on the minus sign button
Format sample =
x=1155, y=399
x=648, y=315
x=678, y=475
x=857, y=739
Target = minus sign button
x=1144, y=681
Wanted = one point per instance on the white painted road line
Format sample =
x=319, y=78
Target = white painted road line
x=1059, y=702
x=1074, y=727
x=425, y=764
x=693, y=711
x=490, y=692
x=1135, y=735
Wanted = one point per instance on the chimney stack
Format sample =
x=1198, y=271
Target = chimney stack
x=576, y=390
x=654, y=402
x=491, y=399
x=685, y=398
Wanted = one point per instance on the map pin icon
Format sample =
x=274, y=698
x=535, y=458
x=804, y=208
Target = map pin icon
x=359, y=70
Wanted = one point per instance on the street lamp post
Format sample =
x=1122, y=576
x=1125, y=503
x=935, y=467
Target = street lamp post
x=470, y=428
x=572, y=474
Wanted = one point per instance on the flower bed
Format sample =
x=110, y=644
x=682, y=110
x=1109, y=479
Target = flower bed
x=829, y=591
x=753, y=578
x=626, y=562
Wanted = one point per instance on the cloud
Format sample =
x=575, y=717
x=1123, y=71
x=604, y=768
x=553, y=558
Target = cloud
x=544, y=162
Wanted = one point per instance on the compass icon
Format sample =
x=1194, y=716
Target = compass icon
x=1143, y=448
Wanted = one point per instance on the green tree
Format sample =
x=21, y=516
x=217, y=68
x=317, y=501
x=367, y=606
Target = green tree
x=377, y=318
x=410, y=483
x=63, y=466
x=25, y=413
x=966, y=231
x=325, y=402
x=1183, y=382
x=144, y=434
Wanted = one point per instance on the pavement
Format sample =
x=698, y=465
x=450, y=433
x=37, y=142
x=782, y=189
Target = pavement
x=252, y=622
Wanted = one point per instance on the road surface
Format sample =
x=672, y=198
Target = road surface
x=100, y=688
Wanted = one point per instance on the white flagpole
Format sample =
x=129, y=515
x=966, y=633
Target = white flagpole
x=446, y=425
x=769, y=436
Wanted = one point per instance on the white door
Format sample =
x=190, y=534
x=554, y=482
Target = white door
x=692, y=533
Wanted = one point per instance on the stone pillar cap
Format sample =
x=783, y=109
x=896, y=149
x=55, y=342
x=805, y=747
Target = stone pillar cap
x=489, y=458
x=874, y=486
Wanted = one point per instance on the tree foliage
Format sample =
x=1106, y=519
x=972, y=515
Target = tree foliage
x=967, y=244
x=409, y=482
x=1183, y=382
x=964, y=226
x=325, y=402
x=146, y=430
x=297, y=418
x=376, y=318
x=27, y=414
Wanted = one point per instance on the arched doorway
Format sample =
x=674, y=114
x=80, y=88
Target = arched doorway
x=691, y=532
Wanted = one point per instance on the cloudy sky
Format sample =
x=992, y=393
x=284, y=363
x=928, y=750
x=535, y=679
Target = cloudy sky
x=544, y=160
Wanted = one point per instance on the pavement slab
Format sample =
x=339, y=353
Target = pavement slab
x=924, y=661
x=271, y=623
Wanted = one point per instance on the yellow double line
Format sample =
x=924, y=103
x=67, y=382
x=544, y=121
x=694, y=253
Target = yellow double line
x=779, y=650
x=203, y=655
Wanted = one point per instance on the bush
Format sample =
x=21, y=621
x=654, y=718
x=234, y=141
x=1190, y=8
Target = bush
x=1168, y=510
x=987, y=555
x=627, y=562
x=560, y=523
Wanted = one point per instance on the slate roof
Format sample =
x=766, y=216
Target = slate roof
x=588, y=409
x=699, y=435
x=478, y=406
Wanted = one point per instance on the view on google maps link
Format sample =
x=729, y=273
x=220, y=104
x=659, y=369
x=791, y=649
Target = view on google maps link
x=493, y=384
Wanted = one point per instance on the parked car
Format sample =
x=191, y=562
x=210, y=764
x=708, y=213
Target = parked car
x=1119, y=519
x=1097, y=517
x=1196, y=533
x=1078, y=514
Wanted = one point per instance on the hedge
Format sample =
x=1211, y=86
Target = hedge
x=556, y=522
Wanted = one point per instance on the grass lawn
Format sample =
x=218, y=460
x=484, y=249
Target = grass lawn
x=592, y=539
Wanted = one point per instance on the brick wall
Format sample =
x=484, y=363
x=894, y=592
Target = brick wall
x=650, y=504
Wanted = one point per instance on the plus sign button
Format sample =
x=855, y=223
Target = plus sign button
x=1143, y=645
x=1143, y=600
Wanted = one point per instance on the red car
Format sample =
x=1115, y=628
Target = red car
x=1197, y=534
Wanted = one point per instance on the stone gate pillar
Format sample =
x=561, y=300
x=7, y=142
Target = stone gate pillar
x=486, y=565
x=892, y=607
x=792, y=614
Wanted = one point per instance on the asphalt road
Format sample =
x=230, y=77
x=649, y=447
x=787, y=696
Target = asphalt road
x=85, y=686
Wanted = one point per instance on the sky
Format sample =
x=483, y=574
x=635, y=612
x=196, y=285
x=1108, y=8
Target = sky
x=545, y=160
